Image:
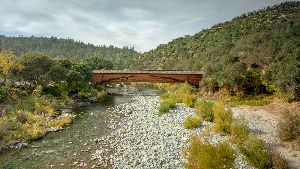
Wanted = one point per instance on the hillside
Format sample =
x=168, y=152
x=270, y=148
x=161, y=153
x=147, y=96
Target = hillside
x=254, y=53
x=68, y=48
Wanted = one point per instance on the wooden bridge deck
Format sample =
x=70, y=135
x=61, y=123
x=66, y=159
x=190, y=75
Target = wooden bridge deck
x=151, y=76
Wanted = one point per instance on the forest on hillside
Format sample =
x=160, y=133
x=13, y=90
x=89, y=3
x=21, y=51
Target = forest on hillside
x=68, y=48
x=255, y=53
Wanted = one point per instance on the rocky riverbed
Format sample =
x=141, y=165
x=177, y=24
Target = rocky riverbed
x=145, y=140
x=125, y=131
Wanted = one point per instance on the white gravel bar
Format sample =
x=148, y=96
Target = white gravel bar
x=144, y=140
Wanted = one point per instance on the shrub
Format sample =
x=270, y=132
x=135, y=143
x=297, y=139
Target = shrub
x=42, y=107
x=83, y=95
x=166, y=105
x=289, y=126
x=201, y=155
x=56, y=90
x=256, y=152
x=223, y=119
x=176, y=93
x=204, y=109
x=188, y=99
x=192, y=122
x=166, y=95
x=184, y=88
x=33, y=118
x=239, y=131
x=26, y=104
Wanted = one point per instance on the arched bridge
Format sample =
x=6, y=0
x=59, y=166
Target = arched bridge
x=151, y=76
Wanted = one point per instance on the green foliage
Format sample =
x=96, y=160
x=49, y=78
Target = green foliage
x=39, y=86
x=36, y=68
x=204, y=109
x=166, y=105
x=246, y=55
x=55, y=47
x=239, y=131
x=184, y=88
x=27, y=119
x=201, y=155
x=192, y=122
x=188, y=99
x=256, y=153
x=288, y=127
x=56, y=89
x=8, y=63
x=175, y=94
x=222, y=119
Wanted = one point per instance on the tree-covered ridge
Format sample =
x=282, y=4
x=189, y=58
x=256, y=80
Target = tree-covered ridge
x=66, y=47
x=253, y=53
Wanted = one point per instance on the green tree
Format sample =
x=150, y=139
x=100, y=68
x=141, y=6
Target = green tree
x=37, y=68
x=7, y=65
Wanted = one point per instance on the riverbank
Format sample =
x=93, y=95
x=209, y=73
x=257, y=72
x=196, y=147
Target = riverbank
x=75, y=144
x=125, y=131
x=35, y=116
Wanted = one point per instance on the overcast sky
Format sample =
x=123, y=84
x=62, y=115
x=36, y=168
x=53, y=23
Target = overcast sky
x=143, y=24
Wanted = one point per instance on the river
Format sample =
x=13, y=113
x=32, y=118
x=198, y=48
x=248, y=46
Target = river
x=71, y=146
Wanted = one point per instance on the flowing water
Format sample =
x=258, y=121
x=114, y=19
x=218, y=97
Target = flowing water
x=71, y=146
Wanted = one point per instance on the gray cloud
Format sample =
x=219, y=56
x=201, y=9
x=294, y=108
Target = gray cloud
x=143, y=24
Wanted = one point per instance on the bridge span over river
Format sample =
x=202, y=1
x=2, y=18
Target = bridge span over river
x=150, y=76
